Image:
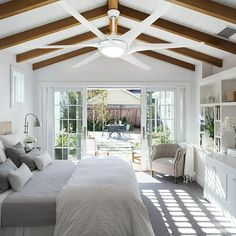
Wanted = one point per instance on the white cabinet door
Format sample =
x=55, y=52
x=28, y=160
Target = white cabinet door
x=210, y=175
x=220, y=185
x=216, y=179
x=231, y=191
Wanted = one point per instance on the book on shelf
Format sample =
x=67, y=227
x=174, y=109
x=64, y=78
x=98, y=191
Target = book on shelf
x=217, y=112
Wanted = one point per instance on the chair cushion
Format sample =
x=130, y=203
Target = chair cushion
x=167, y=150
x=164, y=165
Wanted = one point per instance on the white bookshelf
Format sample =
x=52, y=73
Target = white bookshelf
x=217, y=86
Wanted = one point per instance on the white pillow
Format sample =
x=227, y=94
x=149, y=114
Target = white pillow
x=10, y=139
x=3, y=156
x=19, y=177
x=43, y=160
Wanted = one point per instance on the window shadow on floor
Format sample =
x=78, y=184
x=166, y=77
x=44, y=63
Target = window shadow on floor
x=180, y=209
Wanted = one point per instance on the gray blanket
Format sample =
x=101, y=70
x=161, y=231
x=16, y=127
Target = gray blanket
x=35, y=204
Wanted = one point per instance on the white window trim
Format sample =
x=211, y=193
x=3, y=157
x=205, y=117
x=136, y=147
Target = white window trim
x=17, y=88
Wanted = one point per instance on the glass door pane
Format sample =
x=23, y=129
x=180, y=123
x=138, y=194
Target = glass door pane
x=160, y=117
x=68, y=114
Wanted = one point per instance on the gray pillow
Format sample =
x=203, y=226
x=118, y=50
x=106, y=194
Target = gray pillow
x=2, y=153
x=5, y=168
x=15, y=152
x=43, y=160
x=29, y=157
x=19, y=177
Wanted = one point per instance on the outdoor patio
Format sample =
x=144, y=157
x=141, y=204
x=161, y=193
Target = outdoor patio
x=122, y=144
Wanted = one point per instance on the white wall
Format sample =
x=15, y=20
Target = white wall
x=114, y=70
x=228, y=63
x=16, y=114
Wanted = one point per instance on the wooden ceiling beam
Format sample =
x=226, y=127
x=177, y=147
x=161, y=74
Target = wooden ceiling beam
x=143, y=37
x=62, y=57
x=15, y=7
x=209, y=8
x=183, y=51
x=169, y=59
x=70, y=41
x=181, y=30
x=82, y=51
x=50, y=28
x=113, y=5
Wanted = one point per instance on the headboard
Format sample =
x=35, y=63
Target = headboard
x=5, y=127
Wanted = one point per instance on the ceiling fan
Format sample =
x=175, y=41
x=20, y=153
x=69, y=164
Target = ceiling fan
x=119, y=46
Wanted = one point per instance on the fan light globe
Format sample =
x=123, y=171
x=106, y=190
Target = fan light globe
x=113, y=48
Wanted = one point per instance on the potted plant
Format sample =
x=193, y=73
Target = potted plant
x=61, y=148
x=28, y=141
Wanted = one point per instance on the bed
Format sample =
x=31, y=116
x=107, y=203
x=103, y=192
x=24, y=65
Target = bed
x=99, y=196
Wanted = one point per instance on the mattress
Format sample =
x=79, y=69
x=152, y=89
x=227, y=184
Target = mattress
x=35, y=204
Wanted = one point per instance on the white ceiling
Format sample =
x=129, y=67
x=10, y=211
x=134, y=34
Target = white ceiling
x=53, y=12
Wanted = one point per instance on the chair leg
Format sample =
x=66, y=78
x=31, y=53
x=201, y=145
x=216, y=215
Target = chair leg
x=176, y=180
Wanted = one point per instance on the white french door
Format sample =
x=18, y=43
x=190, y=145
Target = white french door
x=70, y=123
x=63, y=111
x=163, y=118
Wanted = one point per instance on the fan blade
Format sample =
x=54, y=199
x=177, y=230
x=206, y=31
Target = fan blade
x=132, y=34
x=87, y=60
x=84, y=45
x=133, y=60
x=82, y=19
x=138, y=47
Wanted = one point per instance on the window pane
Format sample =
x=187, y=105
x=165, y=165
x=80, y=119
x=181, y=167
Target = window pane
x=72, y=98
x=72, y=112
x=65, y=126
x=64, y=112
x=72, y=126
x=57, y=126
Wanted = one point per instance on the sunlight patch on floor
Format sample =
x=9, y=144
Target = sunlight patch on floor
x=145, y=178
x=183, y=212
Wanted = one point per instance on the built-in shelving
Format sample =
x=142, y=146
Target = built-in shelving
x=213, y=104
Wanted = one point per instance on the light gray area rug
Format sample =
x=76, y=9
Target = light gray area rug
x=180, y=209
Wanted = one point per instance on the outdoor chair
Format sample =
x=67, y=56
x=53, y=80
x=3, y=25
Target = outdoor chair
x=168, y=159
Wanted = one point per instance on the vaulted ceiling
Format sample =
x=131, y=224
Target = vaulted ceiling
x=27, y=23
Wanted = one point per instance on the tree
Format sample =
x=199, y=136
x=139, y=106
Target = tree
x=99, y=107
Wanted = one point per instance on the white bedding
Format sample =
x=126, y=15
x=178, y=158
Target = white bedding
x=102, y=199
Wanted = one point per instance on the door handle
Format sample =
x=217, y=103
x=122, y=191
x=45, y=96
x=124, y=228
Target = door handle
x=144, y=133
x=85, y=132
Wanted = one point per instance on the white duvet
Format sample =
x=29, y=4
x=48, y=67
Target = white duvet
x=102, y=199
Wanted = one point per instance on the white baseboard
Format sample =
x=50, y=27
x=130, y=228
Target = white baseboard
x=200, y=180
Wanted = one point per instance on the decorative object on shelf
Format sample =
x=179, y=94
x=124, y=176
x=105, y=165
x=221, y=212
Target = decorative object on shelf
x=209, y=122
x=231, y=96
x=36, y=122
x=28, y=141
x=229, y=125
x=212, y=99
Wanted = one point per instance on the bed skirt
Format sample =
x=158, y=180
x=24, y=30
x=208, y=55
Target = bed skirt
x=27, y=231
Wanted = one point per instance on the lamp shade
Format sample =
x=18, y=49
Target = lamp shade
x=37, y=122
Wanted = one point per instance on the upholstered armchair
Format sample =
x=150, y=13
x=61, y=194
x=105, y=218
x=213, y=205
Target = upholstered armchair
x=168, y=159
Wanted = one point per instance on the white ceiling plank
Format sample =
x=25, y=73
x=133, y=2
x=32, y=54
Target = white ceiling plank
x=54, y=12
